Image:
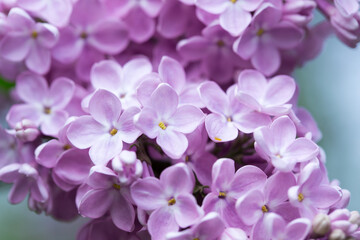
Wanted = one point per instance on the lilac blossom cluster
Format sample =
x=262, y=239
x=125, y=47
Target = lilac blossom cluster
x=173, y=119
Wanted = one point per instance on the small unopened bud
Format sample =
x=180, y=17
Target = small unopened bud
x=337, y=234
x=26, y=130
x=355, y=218
x=321, y=224
x=127, y=165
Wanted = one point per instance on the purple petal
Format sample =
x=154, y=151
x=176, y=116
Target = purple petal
x=276, y=188
x=101, y=177
x=169, y=178
x=174, y=144
x=164, y=100
x=106, y=75
x=109, y=37
x=39, y=59
x=222, y=174
x=126, y=125
x=61, y=92
x=27, y=84
x=324, y=196
x=193, y=48
x=105, y=107
x=147, y=193
x=147, y=123
x=123, y=213
x=247, y=178
x=286, y=36
x=96, y=203
x=48, y=153
x=249, y=207
x=161, y=222
x=141, y=26
x=19, y=190
x=298, y=229
x=85, y=131
x=213, y=6
x=105, y=148
x=266, y=59
x=247, y=44
x=136, y=69
x=214, y=97
x=186, y=119
x=172, y=73
x=15, y=48
x=302, y=149
x=51, y=124
x=235, y=20
x=187, y=211
x=210, y=227
x=47, y=35
x=279, y=90
x=69, y=46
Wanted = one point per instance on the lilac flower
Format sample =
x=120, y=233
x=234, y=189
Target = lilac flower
x=278, y=144
x=310, y=194
x=122, y=81
x=299, y=12
x=105, y=129
x=266, y=96
x=279, y=229
x=171, y=200
x=25, y=179
x=214, y=50
x=234, y=234
x=234, y=16
x=172, y=73
x=227, y=186
x=106, y=194
x=228, y=115
x=347, y=7
x=29, y=41
x=45, y=108
x=164, y=120
x=210, y=227
x=26, y=131
x=262, y=40
x=257, y=203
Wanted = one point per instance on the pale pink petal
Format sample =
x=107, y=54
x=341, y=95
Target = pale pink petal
x=48, y=153
x=135, y=70
x=106, y=75
x=164, y=100
x=102, y=199
x=253, y=83
x=161, y=222
x=61, y=92
x=298, y=229
x=148, y=193
x=85, y=131
x=69, y=46
x=214, y=97
x=147, y=123
x=247, y=178
x=19, y=190
x=123, y=213
x=235, y=20
x=19, y=112
x=186, y=119
x=39, y=59
x=47, y=35
x=249, y=208
x=170, y=179
x=15, y=48
x=126, y=126
x=105, y=107
x=172, y=73
x=174, y=144
x=141, y=27
x=105, y=148
x=213, y=6
x=52, y=123
x=266, y=59
x=193, y=48
x=27, y=84
x=109, y=37
x=187, y=211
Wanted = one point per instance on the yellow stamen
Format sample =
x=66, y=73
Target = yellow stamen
x=187, y=158
x=300, y=197
x=278, y=155
x=113, y=131
x=220, y=43
x=47, y=110
x=83, y=35
x=171, y=202
x=34, y=34
x=218, y=139
x=229, y=119
x=196, y=239
x=66, y=147
x=264, y=208
x=222, y=194
x=162, y=125
x=116, y=186
x=233, y=1
x=260, y=32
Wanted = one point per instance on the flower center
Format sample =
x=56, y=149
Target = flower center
x=222, y=195
x=66, y=147
x=34, y=34
x=220, y=43
x=171, y=202
x=260, y=32
x=116, y=186
x=233, y=1
x=265, y=209
x=162, y=125
x=47, y=110
x=187, y=158
x=300, y=197
x=218, y=139
x=83, y=35
x=229, y=119
x=113, y=131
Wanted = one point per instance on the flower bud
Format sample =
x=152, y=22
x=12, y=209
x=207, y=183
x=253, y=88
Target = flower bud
x=321, y=224
x=355, y=218
x=127, y=165
x=337, y=234
x=26, y=130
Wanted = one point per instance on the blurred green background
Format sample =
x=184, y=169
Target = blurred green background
x=329, y=88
